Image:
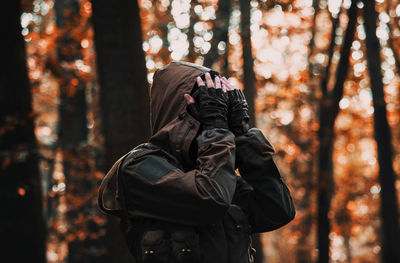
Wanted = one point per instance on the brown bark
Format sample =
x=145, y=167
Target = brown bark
x=329, y=109
x=192, y=53
x=73, y=136
x=250, y=92
x=124, y=99
x=303, y=253
x=73, y=122
x=249, y=78
x=22, y=233
x=389, y=206
x=313, y=33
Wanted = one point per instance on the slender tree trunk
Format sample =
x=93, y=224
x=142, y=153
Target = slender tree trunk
x=73, y=136
x=190, y=35
x=124, y=98
x=249, y=77
x=303, y=253
x=249, y=91
x=343, y=218
x=22, y=228
x=389, y=206
x=329, y=109
x=313, y=33
x=220, y=33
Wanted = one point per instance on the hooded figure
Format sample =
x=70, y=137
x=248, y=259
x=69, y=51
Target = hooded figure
x=178, y=196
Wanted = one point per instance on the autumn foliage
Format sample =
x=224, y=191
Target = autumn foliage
x=305, y=107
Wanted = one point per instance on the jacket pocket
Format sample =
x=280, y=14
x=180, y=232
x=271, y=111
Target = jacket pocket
x=185, y=246
x=155, y=247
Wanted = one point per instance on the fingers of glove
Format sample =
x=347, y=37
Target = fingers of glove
x=200, y=82
x=217, y=82
x=224, y=88
x=223, y=96
x=241, y=95
x=209, y=81
x=228, y=85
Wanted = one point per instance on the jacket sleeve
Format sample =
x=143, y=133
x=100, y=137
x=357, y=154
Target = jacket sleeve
x=260, y=189
x=154, y=188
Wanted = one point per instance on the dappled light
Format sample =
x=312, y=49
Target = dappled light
x=298, y=58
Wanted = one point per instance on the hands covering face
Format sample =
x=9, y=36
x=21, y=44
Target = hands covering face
x=219, y=105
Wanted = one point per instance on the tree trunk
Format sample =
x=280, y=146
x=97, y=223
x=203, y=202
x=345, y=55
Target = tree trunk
x=249, y=77
x=329, y=109
x=303, y=253
x=220, y=33
x=313, y=33
x=249, y=90
x=22, y=228
x=389, y=206
x=190, y=35
x=124, y=98
x=73, y=138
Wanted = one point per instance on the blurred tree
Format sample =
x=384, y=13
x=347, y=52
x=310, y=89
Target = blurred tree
x=249, y=77
x=73, y=123
x=249, y=91
x=220, y=37
x=326, y=149
x=303, y=252
x=124, y=98
x=389, y=205
x=190, y=35
x=313, y=33
x=22, y=228
x=329, y=109
x=82, y=236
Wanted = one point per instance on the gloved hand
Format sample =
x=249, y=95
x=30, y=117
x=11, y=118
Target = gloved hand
x=211, y=108
x=238, y=109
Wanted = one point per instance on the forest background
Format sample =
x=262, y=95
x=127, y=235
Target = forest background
x=321, y=78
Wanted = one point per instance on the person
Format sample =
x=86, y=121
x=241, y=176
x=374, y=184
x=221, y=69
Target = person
x=178, y=196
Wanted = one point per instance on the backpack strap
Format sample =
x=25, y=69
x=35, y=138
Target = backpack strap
x=137, y=152
x=104, y=184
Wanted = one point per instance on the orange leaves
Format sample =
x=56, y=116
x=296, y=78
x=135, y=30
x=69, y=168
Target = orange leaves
x=99, y=220
x=80, y=235
x=70, y=237
x=86, y=9
x=43, y=131
x=98, y=175
x=21, y=191
x=85, y=43
x=5, y=163
x=286, y=108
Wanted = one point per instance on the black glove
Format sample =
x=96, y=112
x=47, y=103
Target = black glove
x=211, y=108
x=238, y=111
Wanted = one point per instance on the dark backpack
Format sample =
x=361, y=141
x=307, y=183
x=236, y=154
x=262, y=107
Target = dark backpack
x=149, y=241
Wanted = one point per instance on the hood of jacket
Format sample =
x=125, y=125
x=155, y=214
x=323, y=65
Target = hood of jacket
x=173, y=128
